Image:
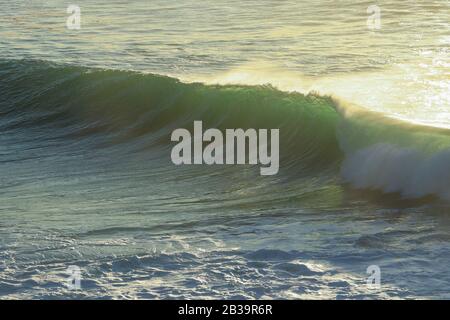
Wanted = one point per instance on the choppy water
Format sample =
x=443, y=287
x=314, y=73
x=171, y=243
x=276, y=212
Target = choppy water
x=85, y=170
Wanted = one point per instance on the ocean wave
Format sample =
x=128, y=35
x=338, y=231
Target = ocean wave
x=318, y=134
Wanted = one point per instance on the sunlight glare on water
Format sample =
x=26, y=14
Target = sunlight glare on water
x=401, y=69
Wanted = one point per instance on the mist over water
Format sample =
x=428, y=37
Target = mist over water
x=86, y=177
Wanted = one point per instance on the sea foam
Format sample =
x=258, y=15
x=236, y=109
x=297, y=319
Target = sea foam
x=397, y=169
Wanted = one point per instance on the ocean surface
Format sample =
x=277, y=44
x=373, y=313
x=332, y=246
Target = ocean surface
x=87, y=179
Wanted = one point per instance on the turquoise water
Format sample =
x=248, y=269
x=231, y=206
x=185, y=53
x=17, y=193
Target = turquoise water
x=86, y=177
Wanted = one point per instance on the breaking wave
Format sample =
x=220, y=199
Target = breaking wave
x=318, y=134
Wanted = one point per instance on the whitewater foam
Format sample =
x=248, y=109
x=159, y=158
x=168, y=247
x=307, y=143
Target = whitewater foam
x=395, y=169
